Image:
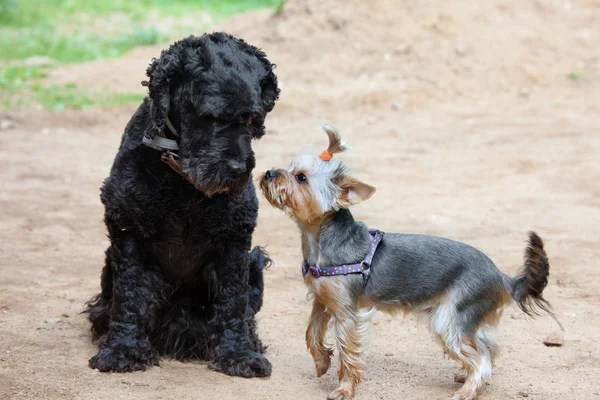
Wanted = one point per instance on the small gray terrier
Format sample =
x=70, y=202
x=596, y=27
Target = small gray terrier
x=348, y=269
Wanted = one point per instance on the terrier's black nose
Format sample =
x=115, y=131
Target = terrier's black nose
x=236, y=167
x=270, y=174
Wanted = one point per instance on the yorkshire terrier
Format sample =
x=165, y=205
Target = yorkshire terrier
x=352, y=271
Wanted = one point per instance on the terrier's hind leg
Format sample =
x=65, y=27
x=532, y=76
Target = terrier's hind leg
x=477, y=360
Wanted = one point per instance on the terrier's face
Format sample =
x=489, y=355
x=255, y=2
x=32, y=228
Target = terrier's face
x=310, y=188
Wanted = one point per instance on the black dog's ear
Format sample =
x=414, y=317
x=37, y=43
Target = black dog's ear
x=270, y=90
x=268, y=84
x=161, y=72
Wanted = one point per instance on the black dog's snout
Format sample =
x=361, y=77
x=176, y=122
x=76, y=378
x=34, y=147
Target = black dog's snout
x=236, y=167
x=270, y=174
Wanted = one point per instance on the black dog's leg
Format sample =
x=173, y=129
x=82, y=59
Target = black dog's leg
x=98, y=308
x=233, y=354
x=136, y=295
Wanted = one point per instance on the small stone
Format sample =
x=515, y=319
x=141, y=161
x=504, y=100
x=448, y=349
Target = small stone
x=460, y=378
x=523, y=394
x=64, y=315
x=53, y=320
x=461, y=50
x=6, y=124
x=524, y=92
x=555, y=339
x=389, y=354
x=397, y=105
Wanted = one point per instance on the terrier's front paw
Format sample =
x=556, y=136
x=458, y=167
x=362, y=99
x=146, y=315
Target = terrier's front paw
x=464, y=394
x=341, y=393
x=323, y=362
x=123, y=360
x=246, y=364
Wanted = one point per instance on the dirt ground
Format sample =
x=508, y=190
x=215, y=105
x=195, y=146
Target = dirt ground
x=461, y=114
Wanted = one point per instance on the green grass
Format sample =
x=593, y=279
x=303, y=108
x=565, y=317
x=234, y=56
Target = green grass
x=78, y=47
x=575, y=76
x=75, y=31
x=20, y=87
x=28, y=12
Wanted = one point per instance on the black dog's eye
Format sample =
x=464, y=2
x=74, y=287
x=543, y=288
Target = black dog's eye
x=301, y=178
x=248, y=120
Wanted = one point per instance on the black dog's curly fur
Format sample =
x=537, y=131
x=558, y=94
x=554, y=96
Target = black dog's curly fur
x=179, y=277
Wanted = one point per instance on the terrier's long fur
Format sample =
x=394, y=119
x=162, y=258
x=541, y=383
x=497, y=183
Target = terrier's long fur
x=455, y=287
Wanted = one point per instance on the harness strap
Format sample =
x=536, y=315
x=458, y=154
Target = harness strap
x=363, y=267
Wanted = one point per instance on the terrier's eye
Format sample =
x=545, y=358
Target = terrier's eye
x=248, y=120
x=301, y=178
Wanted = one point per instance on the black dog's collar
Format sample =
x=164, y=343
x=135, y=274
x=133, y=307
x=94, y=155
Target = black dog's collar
x=162, y=143
x=169, y=148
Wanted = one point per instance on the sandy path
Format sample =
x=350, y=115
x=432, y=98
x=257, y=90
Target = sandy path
x=483, y=169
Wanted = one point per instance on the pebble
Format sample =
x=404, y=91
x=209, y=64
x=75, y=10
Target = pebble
x=53, y=320
x=461, y=50
x=523, y=394
x=397, y=105
x=524, y=92
x=6, y=124
x=554, y=339
x=460, y=378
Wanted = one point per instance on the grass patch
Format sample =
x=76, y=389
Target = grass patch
x=78, y=47
x=74, y=31
x=20, y=87
x=58, y=98
x=575, y=76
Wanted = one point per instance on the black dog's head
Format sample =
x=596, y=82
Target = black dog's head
x=216, y=90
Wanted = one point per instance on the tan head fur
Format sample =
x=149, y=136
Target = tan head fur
x=311, y=187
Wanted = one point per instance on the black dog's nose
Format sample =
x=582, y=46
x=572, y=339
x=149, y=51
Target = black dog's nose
x=236, y=167
x=271, y=174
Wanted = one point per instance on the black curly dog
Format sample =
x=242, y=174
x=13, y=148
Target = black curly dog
x=179, y=278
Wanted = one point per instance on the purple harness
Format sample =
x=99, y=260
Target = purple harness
x=363, y=268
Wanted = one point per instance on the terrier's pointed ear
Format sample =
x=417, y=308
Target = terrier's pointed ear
x=354, y=191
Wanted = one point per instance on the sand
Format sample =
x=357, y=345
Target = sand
x=463, y=117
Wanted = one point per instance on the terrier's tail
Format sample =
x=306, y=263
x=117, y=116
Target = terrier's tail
x=526, y=289
x=259, y=260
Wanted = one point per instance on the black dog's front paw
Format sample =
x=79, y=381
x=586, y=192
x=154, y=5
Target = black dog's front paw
x=123, y=360
x=246, y=364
